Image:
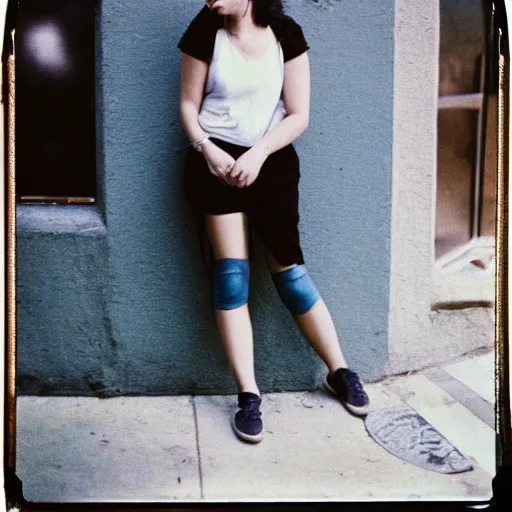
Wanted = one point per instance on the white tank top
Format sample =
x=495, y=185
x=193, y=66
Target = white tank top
x=243, y=98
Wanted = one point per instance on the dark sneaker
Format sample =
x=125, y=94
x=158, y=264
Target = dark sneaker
x=247, y=422
x=345, y=384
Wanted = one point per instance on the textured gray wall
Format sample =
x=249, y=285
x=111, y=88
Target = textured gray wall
x=63, y=344
x=153, y=329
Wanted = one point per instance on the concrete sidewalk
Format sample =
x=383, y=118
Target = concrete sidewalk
x=183, y=449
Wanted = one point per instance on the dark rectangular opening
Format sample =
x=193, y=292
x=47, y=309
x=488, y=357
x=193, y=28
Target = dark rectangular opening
x=55, y=101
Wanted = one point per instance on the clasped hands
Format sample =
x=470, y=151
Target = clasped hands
x=238, y=173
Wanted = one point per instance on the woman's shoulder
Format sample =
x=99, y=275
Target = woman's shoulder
x=291, y=36
x=286, y=22
x=199, y=38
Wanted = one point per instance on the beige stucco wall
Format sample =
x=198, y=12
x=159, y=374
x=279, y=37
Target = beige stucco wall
x=418, y=335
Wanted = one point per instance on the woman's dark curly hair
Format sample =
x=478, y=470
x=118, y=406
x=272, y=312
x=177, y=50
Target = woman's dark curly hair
x=263, y=12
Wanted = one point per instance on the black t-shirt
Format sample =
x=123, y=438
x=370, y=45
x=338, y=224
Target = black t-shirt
x=199, y=39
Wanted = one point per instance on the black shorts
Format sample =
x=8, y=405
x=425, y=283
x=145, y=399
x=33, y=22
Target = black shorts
x=271, y=201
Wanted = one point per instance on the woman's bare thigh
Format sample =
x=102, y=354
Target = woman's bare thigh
x=228, y=235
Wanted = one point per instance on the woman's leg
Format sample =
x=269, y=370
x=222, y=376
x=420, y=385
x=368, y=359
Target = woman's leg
x=317, y=327
x=312, y=317
x=228, y=236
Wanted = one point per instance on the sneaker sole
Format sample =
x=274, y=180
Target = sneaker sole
x=246, y=437
x=358, y=411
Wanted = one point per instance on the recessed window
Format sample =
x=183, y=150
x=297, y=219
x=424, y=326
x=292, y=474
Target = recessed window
x=55, y=101
x=467, y=130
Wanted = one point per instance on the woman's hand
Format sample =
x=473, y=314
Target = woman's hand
x=219, y=162
x=248, y=166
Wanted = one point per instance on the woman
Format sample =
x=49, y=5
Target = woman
x=244, y=99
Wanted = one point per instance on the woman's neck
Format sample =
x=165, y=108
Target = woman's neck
x=240, y=23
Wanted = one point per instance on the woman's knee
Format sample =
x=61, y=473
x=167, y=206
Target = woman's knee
x=231, y=283
x=296, y=289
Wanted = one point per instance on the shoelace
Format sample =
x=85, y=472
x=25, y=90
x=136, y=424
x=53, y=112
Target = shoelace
x=355, y=385
x=252, y=411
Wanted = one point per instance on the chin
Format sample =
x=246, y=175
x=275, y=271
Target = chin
x=215, y=8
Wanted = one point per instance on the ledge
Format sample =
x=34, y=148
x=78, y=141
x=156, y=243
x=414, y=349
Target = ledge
x=465, y=277
x=83, y=220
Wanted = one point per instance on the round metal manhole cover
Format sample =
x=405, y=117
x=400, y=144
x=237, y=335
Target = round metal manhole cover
x=408, y=436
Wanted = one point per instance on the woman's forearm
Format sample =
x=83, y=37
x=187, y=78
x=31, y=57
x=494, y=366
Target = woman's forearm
x=189, y=118
x=289, y=129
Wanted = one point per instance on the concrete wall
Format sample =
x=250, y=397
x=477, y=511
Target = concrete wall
x=125, y=308
x=62, y=335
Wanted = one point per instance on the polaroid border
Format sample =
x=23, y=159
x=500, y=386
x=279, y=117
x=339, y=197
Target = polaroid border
x=503, y=243
x=13, y=486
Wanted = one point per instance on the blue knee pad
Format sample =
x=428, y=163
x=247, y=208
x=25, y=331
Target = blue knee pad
x=296, y=289
x=231, y=283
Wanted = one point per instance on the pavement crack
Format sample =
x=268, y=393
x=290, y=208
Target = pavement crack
x=200, y=469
